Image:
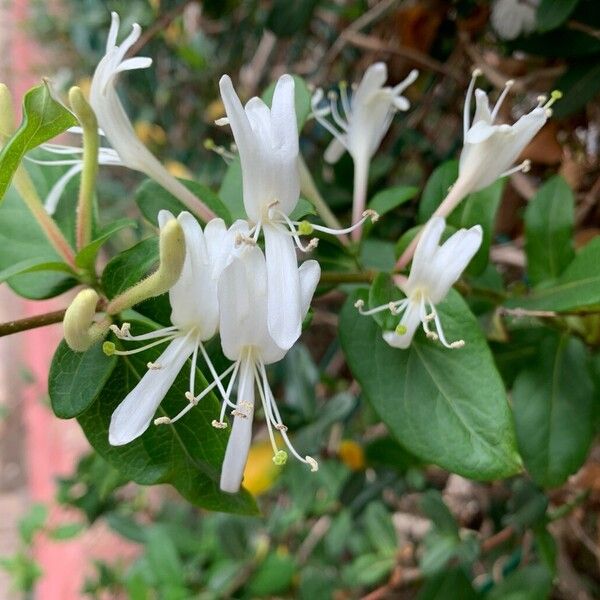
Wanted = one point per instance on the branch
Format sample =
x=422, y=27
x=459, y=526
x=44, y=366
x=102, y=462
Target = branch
x=342, y=277
x=31, y=322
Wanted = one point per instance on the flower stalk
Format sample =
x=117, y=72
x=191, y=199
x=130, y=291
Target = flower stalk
x=91, y=143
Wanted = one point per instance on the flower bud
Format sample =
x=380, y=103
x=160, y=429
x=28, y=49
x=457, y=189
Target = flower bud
x=79, y=328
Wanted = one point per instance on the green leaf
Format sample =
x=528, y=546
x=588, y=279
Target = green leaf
x=552, y=14
x=77, y=378
x=163, y=558
x=387, y=200
x=33, y=521
x=86, y=257
x=43, y=119
x=22, y=240
x=302, y=94
x=554, y=418
x=33, y=265
x=578, y=286
x=436, y=189
x=67, y=531
x=152, y=198
x=435, y=508
x=273, y=577
x=531, y=583
x=231, y=190
x=438, y=403
x=303, y=209
x=479, y=208
x=368, y=569
x=579, y=84
x=449, y=584
x=379, y=528
x=549, y=230
x=289, y=18
x=129, y=267
x=187, y=454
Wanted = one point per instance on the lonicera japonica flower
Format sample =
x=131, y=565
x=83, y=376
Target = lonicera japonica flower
x=362, y=123
x=267, y=141
x=434, y=271
x=512, y=18
x=194, y=318
x=246, y=340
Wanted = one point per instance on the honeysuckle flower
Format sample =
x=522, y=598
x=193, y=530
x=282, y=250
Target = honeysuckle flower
x=267, y=141
x=511, y=18
x=194, y=318
x=434, y=271
x=246, y=340
x=361, y=124
x=489, y=149
x=115, y=123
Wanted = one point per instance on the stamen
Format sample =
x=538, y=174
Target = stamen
x=408, y=80
x=554, y=96
x=305, y=228
x=222, y=121
x=225, y=154
x=347, y=108
x=500, y=100
x=440, y=332
x=219, y=424
x=238, y=413
x=335, y=113
x=123, y=332
x=193, y=368
x=524, y=167
x=162, y=421
x=314, y=465
x=394, y=307
x=320, y=115
x=154, y=366
x=240, y=239
x=400, y=329
x=367, y=214
x=110, y=349
x=467, y=108
x=281, y=427
x=268, y=414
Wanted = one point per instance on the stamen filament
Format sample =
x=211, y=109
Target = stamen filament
x=501, y=99
x=468, y=98
x=142, y=348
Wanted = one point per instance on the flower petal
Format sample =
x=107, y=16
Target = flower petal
x=425, y=251
x=410, y=320
x=238, y=446
x=309, y=273
x=133, y=416
x=283, y=283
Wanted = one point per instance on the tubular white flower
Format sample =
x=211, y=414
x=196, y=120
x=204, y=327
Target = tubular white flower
x=195, y=318
x=246, y=340
x=115, y=123
x=490, y=151
x=511, y=18
x=434, y=271
x=361, y=124
x=267, y=141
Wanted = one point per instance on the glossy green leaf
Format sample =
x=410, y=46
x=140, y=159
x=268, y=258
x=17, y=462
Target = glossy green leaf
x=438, y=403
x=578, y=286
x=436, y=188
x=273, y=577
x=391, y=198
x=152, y=198
x=554, y=418
x=289, y=18
x=449, y=584
x=33, y=266
x=553, y=13
x=549, y=230
x=22, y=239
x=533, y=582
x=187, y=454
x=86, y=257
x=579, y=84
x=77, y=378
x=43, y=118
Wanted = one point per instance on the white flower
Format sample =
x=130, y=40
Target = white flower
x=245, y=339
x=362, y=124
x=434, y=271
x=267, y=141
x=195, y=319
x=115, y=123
x=511, y=18
x=489, y=150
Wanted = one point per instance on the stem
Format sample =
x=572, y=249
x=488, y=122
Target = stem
x=311, y=192
x=568, y=507
x=341, y=277
x=359, y=200
x=28, y=193
x=457, y=192
x=31, y=322
x=91, y=142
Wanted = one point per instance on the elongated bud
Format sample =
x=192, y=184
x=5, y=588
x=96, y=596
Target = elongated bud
x=7, y=115
x=172, y=255
x=79, y=328
x=83, y=111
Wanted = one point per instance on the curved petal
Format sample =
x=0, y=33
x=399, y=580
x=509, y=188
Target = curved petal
x=410, y=320
x=283, y=285
x=334, y=151
x=133, y=416
x=425, y=251
x=283, y=115
x=480, y=132
x=309, y=273
x=482, y=110
x=373, y=80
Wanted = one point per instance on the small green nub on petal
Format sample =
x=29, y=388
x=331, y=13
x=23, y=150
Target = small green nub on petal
x=401, y=329
x=305, y=228
x=108, y=348
x=280, y=458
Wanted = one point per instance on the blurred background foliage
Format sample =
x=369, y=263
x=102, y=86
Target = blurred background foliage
x=373, y=522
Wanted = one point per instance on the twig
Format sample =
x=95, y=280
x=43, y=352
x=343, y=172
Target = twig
x=159, y=25
x=31, y=322
x=318, y=530
x=497, y=539
x=366, y=19
x=588, y=202
x=370, y=43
